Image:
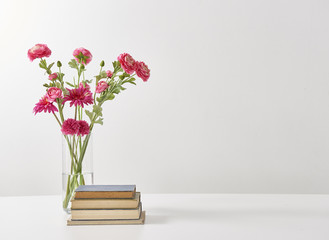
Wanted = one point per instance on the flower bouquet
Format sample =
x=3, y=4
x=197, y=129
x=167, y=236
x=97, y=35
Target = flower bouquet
x=78, y=94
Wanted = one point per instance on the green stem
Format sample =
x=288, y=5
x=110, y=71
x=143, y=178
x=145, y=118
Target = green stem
x=60, y=109
x=57, y=120
x=75, y=114
x=74, y=159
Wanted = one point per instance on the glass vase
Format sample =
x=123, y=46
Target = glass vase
x=77, y=165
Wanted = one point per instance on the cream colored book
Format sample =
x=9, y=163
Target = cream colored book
x=104, y=203
x=98, y=214
x=141, y=220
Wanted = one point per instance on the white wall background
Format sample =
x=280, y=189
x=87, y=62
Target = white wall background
x=237, y=101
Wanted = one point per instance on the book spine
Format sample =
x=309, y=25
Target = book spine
x=83, y=195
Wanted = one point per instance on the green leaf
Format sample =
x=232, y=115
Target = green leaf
x=58, y=85
x=110, y=97
x=103, y=74
x=117, y=67
x=69, y=84
x=129, y=80
x=126, y=74
x=46, y=85
x=43, y=64
x=100, y=121
x=73, y=64
x=89, y=114
x=116, y=90
x=50, y=65
x=122, y=88
x=60, y=76
x=97, y=110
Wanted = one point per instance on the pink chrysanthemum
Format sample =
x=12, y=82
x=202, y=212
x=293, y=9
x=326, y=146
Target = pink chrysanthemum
x=79, y=96
x=83, y=128
x=44, y=104
x=70, y=127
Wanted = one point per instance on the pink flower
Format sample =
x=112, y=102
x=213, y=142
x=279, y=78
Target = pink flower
x=53, y=93
x=127, y=63
x=142, y=71
x=83, y=128
x=82, y=55
x=109, y=73
x=79, y=96
x=38, y=51
x=101, y=86
x=45, y=105
x=70, y=127
x=53, y=76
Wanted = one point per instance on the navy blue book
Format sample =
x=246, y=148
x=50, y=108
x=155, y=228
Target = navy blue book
x=105, y=191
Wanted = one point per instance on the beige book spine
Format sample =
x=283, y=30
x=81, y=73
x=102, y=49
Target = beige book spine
x=98, y=214
x=141, y=220
x=106, y=203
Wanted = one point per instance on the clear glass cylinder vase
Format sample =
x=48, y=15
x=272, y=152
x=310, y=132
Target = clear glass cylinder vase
x=77, y=165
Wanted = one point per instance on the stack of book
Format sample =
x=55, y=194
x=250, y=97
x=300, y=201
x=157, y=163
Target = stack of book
x=106, y=204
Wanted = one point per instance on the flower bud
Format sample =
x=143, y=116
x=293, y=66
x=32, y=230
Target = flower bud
x=102, y=63
x=82, y=67
x=59, y=64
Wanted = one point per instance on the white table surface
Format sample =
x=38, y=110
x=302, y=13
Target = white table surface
x=178, y=216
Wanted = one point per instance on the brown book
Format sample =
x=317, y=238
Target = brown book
x=101, y=214
x=106, y=203
x=105, y=191
x=141, y=220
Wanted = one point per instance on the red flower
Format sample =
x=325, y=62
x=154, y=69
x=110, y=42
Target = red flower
x=38, y=51
x=44, y=104
x=79, y=96
x=53, y=93
x=127, y=63
x=142, y=71
x=101, y=86
x=70, y=127
x=83, y=128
